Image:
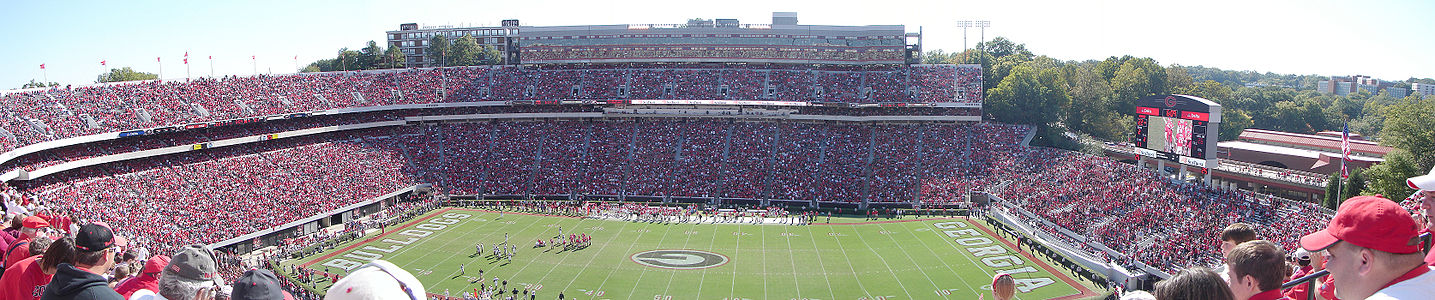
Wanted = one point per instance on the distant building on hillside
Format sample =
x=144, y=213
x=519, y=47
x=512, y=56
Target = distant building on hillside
x=1344, y=85
x=1423, y=89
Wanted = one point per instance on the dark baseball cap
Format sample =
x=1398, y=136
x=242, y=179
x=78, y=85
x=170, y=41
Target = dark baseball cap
x=94, y=238
x=258, y=284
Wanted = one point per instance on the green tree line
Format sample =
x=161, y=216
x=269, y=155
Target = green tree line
x=464, y=51
x=1096, y=98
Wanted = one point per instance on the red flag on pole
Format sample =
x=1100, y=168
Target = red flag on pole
x=42, y=66
x=253, y=58
x=102, y=62
x=186, y=60
x=156, y=59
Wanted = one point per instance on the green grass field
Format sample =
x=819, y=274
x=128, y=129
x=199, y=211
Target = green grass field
x=905, y=259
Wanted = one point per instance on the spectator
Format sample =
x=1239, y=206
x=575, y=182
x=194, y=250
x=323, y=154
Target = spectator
x=1304, y=265
x=259, y=285
x=1255, y=270
x=1374, y=251
x=1426, y=196
x=192, y=274
x=1194, y=284
x=147, y=280
x=33, y=228
x=378, y=280
x=1234, y=235
x=28, y=278
x=94, y=256
x=1003, y=287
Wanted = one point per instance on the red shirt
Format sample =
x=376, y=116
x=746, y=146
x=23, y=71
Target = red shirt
x=20, y=252
x=1269, y=295
x=24, y=281
x=1430, y=255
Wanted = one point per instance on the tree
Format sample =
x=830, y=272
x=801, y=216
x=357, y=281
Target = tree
x=1332, y=192
x=1408, y=126
x=36, y=84
x=940, y=57
x=393, y=58
x=1353, y=185
x=1092, y=108
x=347, y=60
x=124, y=74
x=1233, y=122
x=491, y=55
x=1388, y=177
x=438, y=51
x=465, y=52
x=1135, y=79
x=369, y=56
x=1029, y=96
x=1180, y=81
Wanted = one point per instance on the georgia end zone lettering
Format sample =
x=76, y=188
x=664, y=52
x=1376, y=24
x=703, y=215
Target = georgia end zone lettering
x=993, y=255
x=403, y=238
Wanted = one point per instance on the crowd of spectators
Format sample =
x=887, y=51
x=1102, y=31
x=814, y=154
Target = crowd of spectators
x=49, y=114
x=208, y=197
x=1156, y=220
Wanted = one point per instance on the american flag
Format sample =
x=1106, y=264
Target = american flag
x=1344, y=151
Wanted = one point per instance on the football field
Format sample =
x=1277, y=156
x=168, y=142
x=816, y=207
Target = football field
x=943, y=258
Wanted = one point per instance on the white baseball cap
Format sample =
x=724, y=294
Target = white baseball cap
x=378, y=280
x=1423, y=182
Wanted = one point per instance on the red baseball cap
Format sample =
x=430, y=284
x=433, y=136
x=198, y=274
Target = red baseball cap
x=34, y=222
x=1371, y=222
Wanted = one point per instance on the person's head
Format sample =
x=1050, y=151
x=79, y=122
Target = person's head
x=94, y=245
x=1194, y=284
x=191, y=272
x=60, y=251
x=1235, y=234
x=121, y=272
x=17, y=221
x=377, y=280
x=1137, y=295
x=258, y=285
x=1301, y=258
x=1003, y=287
x=38, y=246
x=1425, y=186
x=154, y=265
x=1254, y=267
x=32, y=227
x=1370, y=242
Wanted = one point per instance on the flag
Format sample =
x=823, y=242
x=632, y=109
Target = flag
x=186, y=57
x=102, y=62
x=211, y=57
x=1344, y=151
x=156, y=59
x=252, y=57
x=42, y=66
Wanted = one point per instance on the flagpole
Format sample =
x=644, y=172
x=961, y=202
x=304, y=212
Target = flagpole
x=211, y=66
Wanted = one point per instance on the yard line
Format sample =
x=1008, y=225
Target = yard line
x=883, y=227
x=494, y=234
x=732, y=287
x=565, y=257
x=818, y=252
x=763, y=238
x=796, y=280
x=669, y=286
x=704, y=275
x=884, y=263
x=595, y=257
x=639, y=281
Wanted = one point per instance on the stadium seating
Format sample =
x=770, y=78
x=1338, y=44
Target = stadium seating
x=57, y=113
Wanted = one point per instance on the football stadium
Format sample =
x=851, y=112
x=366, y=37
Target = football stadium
x=714, y=159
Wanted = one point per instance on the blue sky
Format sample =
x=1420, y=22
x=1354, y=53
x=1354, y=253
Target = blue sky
x=1391, y=40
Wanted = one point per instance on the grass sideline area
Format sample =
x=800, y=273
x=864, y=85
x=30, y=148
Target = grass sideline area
x=849, y=259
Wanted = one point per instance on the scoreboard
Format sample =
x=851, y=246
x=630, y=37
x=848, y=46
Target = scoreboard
x=1177, y=128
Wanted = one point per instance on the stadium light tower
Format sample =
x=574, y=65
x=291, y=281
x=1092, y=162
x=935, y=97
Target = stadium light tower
x=964, y=24
x=983, y=25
